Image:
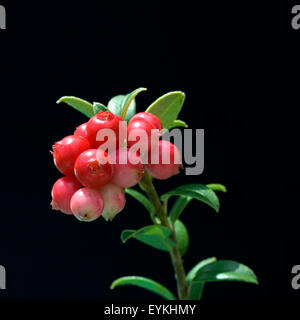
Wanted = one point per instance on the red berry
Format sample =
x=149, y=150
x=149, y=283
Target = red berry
x=66, y=151
x=87, y=204
x=91, y=170
x=129, y=169
x=81, y=131
x=149, y=118
x=114, y=200
x=143, y=122
x=62, y=192
x=169, y=161
x=103, y=120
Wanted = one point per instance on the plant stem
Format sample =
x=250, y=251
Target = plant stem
x=147, y=185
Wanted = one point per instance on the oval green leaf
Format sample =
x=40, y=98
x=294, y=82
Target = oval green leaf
x=128, y=100
x=142, y=199
x=178, y=207
x=158, y=237
x=167, y=107
x=79, y=104
x=124, y=104
x=182, y=237
x=144, y=283
x=193, y=272
x=217, y=187
x=195, y=191
x=115, y=105
x=225, y=270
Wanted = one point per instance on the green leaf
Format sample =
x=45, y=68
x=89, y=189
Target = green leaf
x=182, y=237
x=193, y=272
x=196, y=288
x=144, y=283
x=115, y=105
x=128, y=100
x=179, y=205
x=97, y=107
x=167, y=107
x=178, y=123
x=79, y=104
x=153, y=235
x=225, y=270
x=120, y=103
x=217, y=187
x=196, y=191
x=142, y=199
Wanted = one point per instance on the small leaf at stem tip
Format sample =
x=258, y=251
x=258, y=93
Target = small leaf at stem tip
x=144, y=283
x=217, y=187
x=167, y=107
x=158, y=237
x=79, y=104
x=142, y=199
x=195, y=191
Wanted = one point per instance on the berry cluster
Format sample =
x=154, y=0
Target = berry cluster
x=95, y=179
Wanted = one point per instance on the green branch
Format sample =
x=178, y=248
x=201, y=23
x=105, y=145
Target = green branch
x=147, y=185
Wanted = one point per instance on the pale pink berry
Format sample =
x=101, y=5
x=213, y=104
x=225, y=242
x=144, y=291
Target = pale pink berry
x=128, y=170
x=169, y=161
x=114, y=200
x=87, y=204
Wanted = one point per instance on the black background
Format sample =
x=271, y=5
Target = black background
x=233, y=60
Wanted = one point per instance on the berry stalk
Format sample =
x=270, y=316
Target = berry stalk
x=161, y=209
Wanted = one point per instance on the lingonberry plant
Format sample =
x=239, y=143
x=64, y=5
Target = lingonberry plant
x=99, y=172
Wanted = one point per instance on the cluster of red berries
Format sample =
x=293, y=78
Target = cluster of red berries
x=94, y=184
